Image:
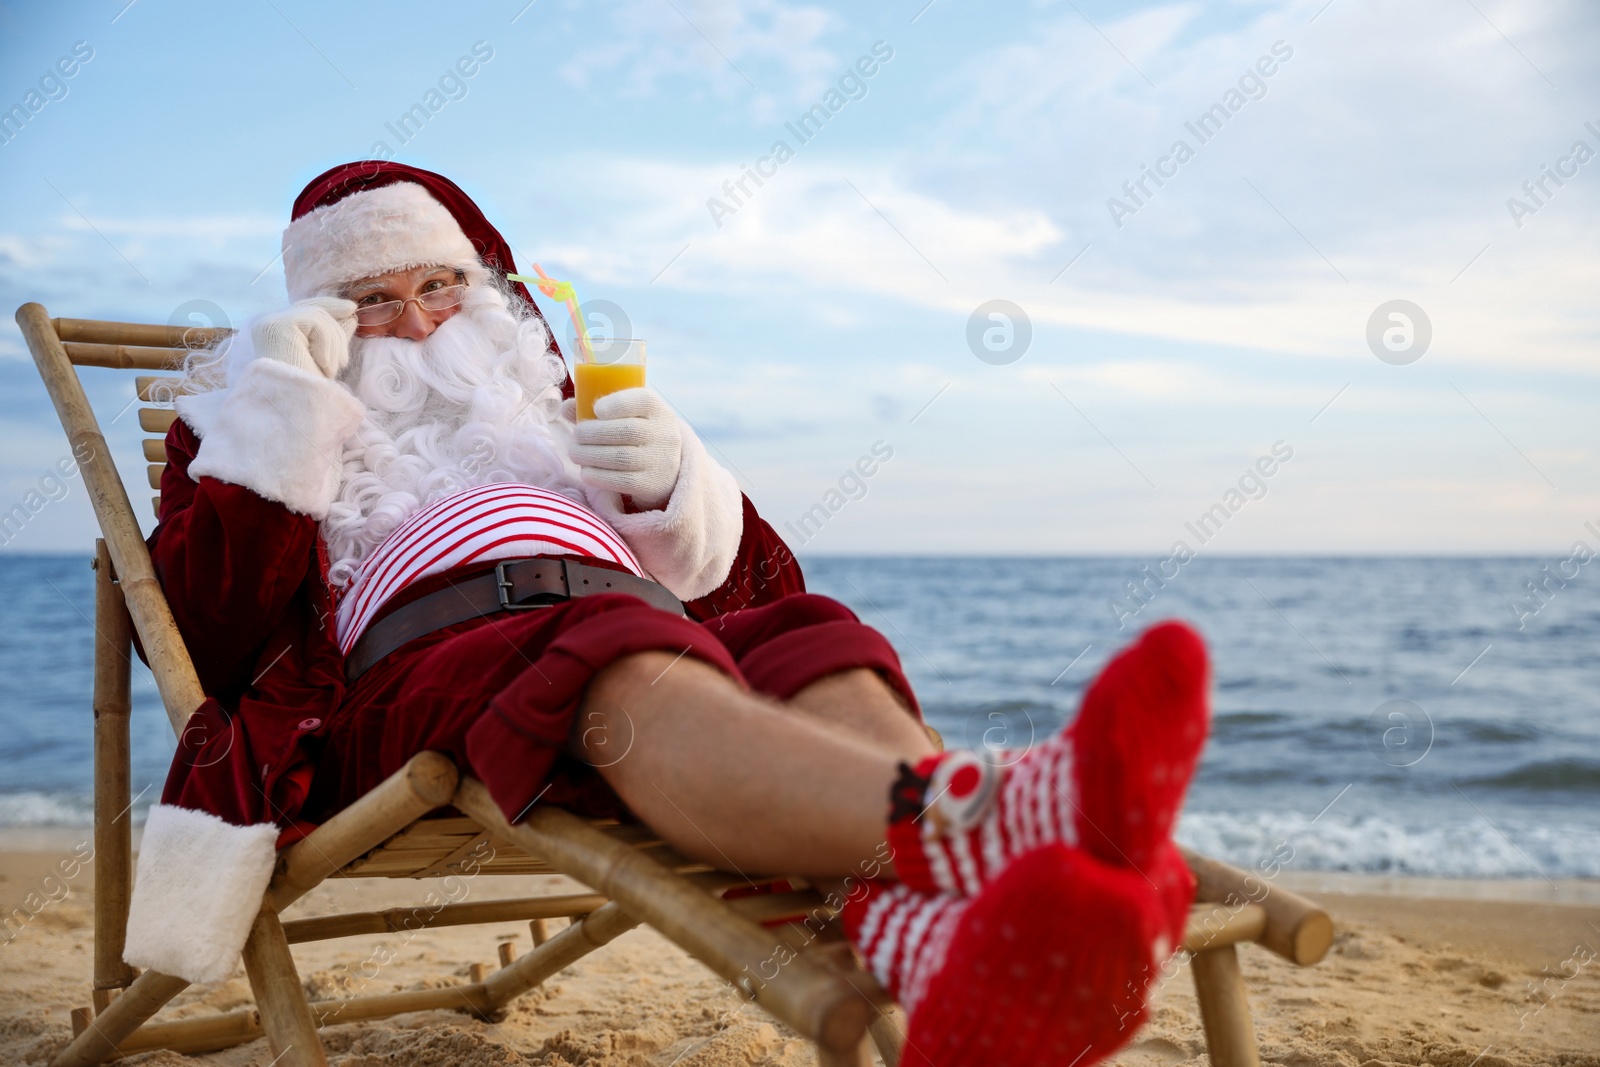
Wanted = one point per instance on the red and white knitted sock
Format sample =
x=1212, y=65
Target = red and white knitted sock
x=1175, y=885
x=1111, y=782
x=1050, y=963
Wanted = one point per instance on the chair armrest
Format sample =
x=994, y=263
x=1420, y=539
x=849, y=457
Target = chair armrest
x=1296, y=928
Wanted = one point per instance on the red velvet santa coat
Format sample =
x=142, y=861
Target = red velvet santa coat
x=240, y=557
x=246, y=580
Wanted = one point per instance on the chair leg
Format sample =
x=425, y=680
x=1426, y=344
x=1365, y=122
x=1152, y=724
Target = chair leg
x=1224, y=1008
x=285, y=1014
x=533, y=967
x=127, y=1013
x=889, y=1034
x=113, y=840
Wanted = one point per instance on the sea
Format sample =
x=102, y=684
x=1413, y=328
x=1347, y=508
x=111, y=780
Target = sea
x=1395, y=716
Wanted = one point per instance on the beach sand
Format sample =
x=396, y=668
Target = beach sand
x=1412, y=978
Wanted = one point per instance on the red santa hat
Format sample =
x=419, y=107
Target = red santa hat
x=373, y=217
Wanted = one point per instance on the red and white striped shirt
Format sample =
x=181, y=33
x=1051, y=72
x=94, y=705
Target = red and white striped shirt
x=502, y=521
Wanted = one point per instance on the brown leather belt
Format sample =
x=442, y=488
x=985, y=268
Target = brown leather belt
x=515, y=585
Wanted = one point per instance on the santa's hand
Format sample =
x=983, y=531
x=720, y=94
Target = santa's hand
x=313, y=335
x=633, y=445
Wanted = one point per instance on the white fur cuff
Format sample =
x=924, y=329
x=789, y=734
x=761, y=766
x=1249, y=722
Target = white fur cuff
x=277, y=430
x=199, y=885
x=689, y=545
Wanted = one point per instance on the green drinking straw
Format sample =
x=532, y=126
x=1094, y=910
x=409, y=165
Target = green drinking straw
x=561, y=291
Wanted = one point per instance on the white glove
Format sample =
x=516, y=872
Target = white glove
x=314, y=335
x=633, y=445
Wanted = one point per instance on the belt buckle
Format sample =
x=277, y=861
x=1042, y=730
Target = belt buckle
x=503, y=584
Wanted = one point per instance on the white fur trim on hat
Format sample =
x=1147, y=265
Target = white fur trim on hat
x=197, y=890
x=376, y=231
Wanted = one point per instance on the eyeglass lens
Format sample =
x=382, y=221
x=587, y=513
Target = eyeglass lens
x=433, y=300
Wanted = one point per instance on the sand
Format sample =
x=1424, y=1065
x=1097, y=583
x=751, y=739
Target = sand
x=1418, y=978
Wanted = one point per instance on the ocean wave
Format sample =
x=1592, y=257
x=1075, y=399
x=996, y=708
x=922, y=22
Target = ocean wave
x=1548, y=776
x=46, y=809
x=1376, y=845
x=1495, y=733
x=1245, y=720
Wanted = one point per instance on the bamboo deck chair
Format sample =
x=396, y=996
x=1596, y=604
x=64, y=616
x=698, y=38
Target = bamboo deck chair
x=426, y=819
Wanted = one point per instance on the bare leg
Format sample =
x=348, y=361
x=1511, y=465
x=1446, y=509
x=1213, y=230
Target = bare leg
x=728, y=777
x=861, y=703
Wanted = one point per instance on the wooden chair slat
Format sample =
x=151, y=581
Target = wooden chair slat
x=463, y=855
x=426, y=831
x=153, y=472
x=124, y=357
x=95, y=331
x=155, y=449
x=146, y=384
x=156, y=420
x=392, y=920
x=443, y=835
x=393, y=868
x=409, y=856
x=410, y=843
x=444, y=824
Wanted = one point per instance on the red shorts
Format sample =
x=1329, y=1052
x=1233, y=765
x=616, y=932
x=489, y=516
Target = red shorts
x=500, y=697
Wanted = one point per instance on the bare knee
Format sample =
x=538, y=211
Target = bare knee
x=629, y=690
x=621, y=677
x=852, y=686
x=603, y=722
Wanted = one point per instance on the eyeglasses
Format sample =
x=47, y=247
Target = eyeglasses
x=441, y=299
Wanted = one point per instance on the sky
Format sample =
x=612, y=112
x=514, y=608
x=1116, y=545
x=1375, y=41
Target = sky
x=1065, y=276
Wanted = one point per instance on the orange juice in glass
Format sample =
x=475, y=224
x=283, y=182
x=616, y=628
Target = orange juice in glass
x=616, y=363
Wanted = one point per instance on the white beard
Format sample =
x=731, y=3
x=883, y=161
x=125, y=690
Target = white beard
x=477, y=402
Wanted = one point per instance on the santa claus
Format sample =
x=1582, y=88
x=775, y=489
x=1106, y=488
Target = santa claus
x=366, y=492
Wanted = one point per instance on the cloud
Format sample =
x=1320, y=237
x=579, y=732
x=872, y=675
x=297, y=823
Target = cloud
x=141, y=268
x=1143, y=377
x=832, y=227
x=1383, y=150
x=1374, y=163
x=730, y=49
x=846, y=232
x=186, y=228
